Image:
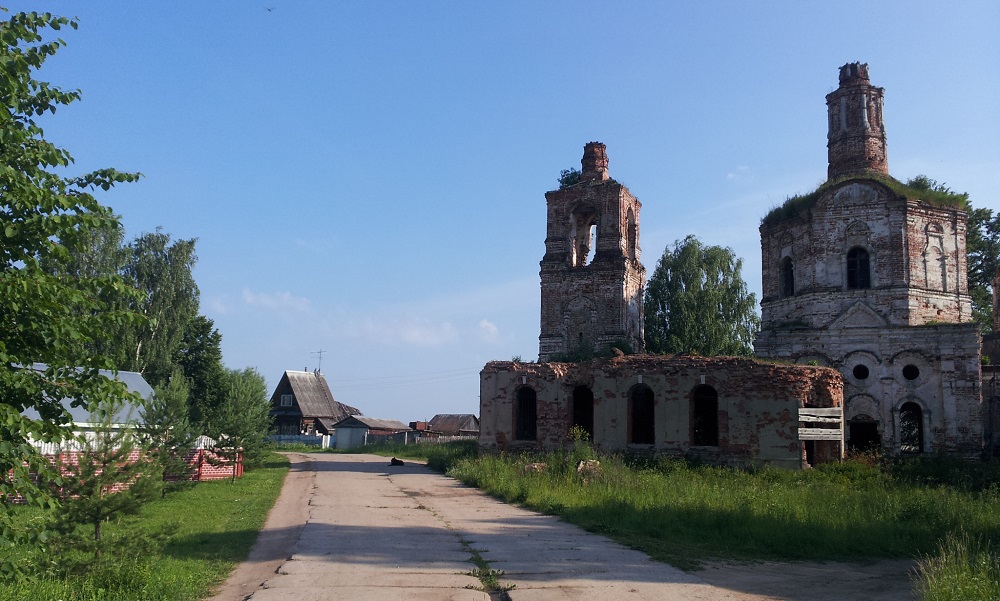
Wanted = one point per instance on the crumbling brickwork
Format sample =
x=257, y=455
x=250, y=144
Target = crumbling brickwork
x=592, y=280
x=756, y=411
x=856, y=138
x=875, y=284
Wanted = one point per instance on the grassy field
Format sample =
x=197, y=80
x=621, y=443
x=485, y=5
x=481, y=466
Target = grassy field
x=684, y=514
x=204, y=531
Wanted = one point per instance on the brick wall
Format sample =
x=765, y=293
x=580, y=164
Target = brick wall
x=205, y=465
x=757, y=415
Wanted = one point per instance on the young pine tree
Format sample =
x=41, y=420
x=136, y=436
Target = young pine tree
x=167, y=433
x=242, y=422
x=110, y=475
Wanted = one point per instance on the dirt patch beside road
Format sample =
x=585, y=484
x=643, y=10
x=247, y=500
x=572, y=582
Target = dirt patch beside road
x=831, y=581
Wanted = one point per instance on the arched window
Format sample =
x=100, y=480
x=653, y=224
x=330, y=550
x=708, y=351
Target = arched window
x=858, y=269
x=632, y=234
x=911, y=428
x=787, y=277
x=583, y=409
x=641, y=425
x=526, y=414
x=704, y=417
x=583, y=236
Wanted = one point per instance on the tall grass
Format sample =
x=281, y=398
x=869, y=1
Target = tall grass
x=685, y=514
x=965, y=569
x=181, y=545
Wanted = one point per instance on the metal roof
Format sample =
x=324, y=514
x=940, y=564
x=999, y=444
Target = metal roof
x=128, y=412
x=372, y=423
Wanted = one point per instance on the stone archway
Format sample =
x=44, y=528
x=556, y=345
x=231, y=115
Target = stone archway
x=863, y=435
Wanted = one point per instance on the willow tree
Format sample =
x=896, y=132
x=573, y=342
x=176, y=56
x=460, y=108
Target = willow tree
x=697, y=302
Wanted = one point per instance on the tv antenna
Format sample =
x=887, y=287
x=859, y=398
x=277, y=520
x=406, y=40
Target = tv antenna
x=319, y=364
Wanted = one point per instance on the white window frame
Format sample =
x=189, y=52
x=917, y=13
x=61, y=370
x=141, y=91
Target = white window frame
x=286, y=400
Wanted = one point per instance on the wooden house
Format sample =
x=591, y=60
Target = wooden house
x=303, y=404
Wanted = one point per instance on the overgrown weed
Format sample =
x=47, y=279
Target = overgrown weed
x=965, y=568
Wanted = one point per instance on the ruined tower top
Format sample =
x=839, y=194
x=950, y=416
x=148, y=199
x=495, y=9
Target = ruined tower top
x=594, y=162
x=856, y=137
x=854, y=74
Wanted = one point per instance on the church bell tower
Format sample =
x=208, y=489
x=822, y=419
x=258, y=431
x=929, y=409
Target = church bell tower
x=591, y=277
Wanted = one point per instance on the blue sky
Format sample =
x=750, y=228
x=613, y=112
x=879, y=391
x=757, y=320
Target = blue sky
x=368, y=178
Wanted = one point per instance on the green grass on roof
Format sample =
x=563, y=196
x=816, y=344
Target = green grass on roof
x=918, y=188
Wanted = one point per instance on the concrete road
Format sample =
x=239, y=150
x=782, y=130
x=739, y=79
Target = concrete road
x=372, y=531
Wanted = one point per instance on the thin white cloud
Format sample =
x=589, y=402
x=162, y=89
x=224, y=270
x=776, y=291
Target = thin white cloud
x=278, y=301
x=488, y=331
x=410, y=331
x=740, y=174
x=216, y=306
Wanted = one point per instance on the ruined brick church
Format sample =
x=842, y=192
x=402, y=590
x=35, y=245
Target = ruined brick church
x=865, y=304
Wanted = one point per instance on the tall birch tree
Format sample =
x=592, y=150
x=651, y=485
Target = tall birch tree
x=697, y=302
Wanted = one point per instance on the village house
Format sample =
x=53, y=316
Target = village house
x=204, y=463
x=303, y=404
x=357, y=430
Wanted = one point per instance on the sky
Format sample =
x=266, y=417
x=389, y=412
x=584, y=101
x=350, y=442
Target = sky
x=367, y=179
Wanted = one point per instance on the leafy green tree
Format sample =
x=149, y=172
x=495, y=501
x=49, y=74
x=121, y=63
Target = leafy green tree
x=98, y=252
x=242, y=422
x=200, y=357
x=568, y=177
x=44, y=318
x=982, y=244
x=112, y=475
x=167, y=432
x=697, y=302
x=161, y=271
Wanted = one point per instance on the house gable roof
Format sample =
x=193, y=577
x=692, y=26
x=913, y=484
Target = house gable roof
x=312, y=396
x=454, y=423
x=372, y=423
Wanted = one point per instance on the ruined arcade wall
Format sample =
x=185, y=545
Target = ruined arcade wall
x=758, y=405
